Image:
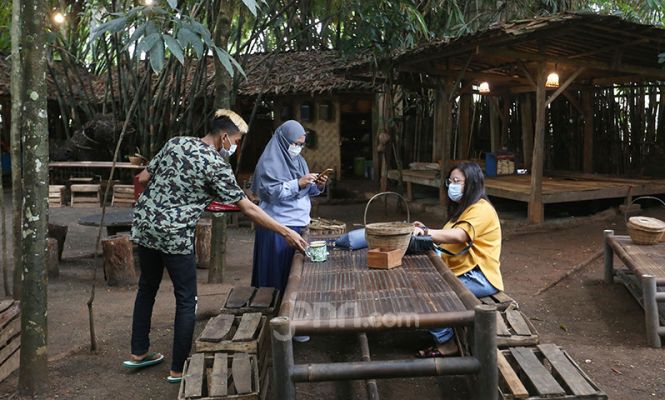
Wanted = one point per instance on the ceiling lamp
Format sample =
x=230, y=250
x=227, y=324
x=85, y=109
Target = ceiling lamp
x=552, y=80
x=484, y=88
x=58, y=18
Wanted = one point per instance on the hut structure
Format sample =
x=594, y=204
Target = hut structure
x=597, y=60
x=304, y=85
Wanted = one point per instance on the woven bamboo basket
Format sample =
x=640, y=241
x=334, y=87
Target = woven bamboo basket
x=388, y=236
x=321, y=226
x=645, y=230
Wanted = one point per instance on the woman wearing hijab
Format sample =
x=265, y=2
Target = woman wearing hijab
x=283, y=184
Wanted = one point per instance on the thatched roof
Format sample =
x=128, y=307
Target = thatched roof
x=75, y=83
x=274, y=74
x=609, y=48
x=301, y=72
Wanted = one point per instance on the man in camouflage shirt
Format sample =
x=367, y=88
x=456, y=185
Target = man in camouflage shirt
x=183, y=178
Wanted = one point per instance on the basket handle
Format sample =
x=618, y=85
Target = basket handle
x=625, y=217
x=408, y=213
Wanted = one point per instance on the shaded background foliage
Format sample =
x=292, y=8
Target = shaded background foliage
x=120, y=41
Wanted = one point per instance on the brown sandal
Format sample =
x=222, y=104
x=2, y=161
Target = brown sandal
x=430, y=352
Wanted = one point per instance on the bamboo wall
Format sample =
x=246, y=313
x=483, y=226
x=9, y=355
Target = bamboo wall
x=628, y=129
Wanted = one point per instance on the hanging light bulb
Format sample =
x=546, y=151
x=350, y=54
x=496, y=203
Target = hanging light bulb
x=58, y=18
x=552, y=80
x=484, y=88
x=149, y=2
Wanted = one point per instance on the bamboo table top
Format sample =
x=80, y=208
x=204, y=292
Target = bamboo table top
x=93, y=164
x=343, y=287
x=643, y=259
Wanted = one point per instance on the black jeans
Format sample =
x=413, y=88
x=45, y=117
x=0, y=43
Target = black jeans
x=182, y=270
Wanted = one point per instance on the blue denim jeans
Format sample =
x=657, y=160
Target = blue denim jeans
x=182, y=270
x=478, y=284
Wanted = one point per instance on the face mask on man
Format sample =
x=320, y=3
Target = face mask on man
x=294, y=150
x=228, y=153
x=455, y=191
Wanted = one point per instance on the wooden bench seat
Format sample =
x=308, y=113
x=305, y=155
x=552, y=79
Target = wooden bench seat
x=244, y=299
x=543, y=372
x=85, y=195
x=56, y=195
x=220, y=376
x=123, y=196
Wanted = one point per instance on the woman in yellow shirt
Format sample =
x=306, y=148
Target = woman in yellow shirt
x=471, y=243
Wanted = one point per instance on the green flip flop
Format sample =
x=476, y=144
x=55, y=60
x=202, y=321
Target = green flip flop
x=173, y=379
x=148, y=360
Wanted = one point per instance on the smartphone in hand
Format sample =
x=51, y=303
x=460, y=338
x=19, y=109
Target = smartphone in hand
x=326, y=172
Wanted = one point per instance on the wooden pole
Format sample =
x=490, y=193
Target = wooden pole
x=464, y=126
x=439, y=123
x=495, y=124
x=587, y=106
x=527, y=127
x=536, y=211
x=217, y=249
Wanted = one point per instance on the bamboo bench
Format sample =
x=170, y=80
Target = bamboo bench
x=501, y=301
x=543, y=372
x=644, y=278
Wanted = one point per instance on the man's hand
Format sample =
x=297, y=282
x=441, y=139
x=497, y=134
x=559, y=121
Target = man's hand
x=295, y=240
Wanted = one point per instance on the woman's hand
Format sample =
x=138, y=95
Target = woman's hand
x=419, y=228
x=306, y=180
x=321, y=181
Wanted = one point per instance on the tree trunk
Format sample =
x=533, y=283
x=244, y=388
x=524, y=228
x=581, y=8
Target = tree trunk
x=15, y=139
x=202, y=242
x=53, y=267
x=33, y=375
x=58, y=232
x=217, y=249
x=222, y=100
x=119, y=260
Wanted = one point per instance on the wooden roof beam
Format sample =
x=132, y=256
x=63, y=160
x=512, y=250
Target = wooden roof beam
x=655, y=73
x=564, y=86
x=608, y=48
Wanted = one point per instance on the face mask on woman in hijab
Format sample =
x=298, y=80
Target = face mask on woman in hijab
x=294, y=150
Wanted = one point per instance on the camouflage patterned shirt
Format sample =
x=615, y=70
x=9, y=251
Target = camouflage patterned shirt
x=185, y=176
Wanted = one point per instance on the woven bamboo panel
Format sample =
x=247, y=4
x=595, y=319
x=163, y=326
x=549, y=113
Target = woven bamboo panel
x=326, y=153
x=343, y=286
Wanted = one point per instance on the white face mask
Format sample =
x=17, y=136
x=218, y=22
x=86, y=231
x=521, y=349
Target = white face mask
x=455, y=192
x=228, y=153
x=294, y=150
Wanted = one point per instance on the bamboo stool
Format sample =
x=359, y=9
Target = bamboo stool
x=85, y=195
x=123, y=196
x=56, y=195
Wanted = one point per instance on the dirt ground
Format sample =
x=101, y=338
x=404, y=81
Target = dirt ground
x=600, y=325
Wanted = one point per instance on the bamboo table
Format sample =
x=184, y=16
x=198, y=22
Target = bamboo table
x=343, y=295
x=645, y=275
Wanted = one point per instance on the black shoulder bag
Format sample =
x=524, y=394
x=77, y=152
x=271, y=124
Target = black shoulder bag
x=424, y=243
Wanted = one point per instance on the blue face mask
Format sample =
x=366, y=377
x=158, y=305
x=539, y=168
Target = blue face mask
x=227, y=153
x=455, y=192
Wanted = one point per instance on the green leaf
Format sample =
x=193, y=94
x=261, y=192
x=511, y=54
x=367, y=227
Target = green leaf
x=173, y=4
x=251, y=4
x=224, y=59
x=112, y=26
x=174, y=48
x=138, y=32
x=157, y=56
x=186, y=37
x=238, y=66
x=148, y=42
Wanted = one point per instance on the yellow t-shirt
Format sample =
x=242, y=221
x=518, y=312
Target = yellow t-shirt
x=486, y=249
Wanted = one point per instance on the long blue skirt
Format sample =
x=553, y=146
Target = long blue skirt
x=272, y=259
